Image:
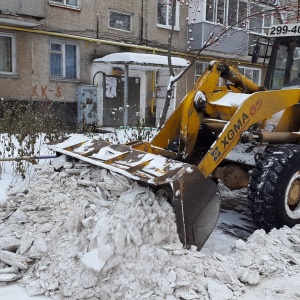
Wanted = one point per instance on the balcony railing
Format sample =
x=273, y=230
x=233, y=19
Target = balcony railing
x=33, y=8
x=235, y=42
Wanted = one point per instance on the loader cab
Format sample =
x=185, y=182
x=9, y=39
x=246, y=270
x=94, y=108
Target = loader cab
x=280, y=52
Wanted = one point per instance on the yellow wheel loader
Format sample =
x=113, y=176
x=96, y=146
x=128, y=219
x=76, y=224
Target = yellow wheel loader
x=242, y=134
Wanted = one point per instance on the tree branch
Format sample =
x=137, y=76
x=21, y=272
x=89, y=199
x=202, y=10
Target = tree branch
x=212, y=39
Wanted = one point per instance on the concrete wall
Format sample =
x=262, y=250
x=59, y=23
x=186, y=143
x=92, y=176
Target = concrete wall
x=32, y=79
x=92, y=20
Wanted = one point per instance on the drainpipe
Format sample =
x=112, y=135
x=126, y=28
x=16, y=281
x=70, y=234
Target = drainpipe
x=97, y=24
x=142, y=23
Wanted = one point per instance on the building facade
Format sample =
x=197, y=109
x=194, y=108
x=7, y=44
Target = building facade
x=48, y=46
x=238, y=24
x=48, y=49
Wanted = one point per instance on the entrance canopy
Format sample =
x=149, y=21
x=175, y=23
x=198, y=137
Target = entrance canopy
x=141, y=61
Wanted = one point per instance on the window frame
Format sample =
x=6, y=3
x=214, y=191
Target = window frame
x=251, y=70
x=215, y=11
x=177, y=17
x=263, y=30
x=64, y=4
x=121, y=13
x=63, y=76
x=203, y=65
x=237, y=16
x=13, y=54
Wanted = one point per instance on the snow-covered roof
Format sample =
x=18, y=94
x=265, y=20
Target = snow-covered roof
x=141, y=59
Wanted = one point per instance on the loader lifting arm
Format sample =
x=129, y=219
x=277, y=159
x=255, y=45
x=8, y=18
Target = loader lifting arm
x=183, y=125
x=257, y=105
x=165, y=160
x=206, y=100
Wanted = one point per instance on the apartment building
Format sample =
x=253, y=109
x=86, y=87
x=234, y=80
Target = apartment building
x=77, y=54
x=48, y=48
x=244, y=21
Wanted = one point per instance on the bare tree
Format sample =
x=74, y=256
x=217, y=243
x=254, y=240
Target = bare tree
x=282, y=12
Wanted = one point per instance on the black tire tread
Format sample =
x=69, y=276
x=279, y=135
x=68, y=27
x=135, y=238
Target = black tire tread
x=270, y=167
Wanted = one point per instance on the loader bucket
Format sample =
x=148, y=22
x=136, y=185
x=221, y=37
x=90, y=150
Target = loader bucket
x=197, y=207
x=197, y=201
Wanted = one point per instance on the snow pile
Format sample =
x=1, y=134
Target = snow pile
x=78, y=232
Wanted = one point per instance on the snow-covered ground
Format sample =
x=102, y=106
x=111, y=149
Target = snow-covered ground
x=84, y=233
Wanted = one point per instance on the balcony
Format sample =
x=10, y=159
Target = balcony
x=233, y=42
x=23, y=8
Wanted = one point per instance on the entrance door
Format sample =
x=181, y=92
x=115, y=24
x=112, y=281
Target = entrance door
x=87, y=104
x=113, y=104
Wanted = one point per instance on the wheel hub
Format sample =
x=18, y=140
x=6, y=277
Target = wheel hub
x=294, y=194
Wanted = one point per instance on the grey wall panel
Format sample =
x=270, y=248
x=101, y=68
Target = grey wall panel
x=34, y=8
x=232, y=42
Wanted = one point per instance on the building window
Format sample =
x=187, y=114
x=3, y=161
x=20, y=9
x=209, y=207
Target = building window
x=241, y=14
x=119, y=21
x=263, y=21
x=7, y=54
x=64, y=61
x=252, y=73
x=69, y=3
x=200, y=68
x=215, y=11
x=164, y=14
x=237, y=13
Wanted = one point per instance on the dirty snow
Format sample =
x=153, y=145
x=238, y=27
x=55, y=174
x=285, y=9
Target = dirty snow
x=78, y=232
x=156, y=165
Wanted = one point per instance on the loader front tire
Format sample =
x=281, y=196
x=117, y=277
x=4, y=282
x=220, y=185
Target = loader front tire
x=274, y=188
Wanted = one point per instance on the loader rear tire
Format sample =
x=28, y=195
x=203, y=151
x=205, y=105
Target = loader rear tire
x=274, y=188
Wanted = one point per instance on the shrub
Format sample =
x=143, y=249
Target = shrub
x=24, y=127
